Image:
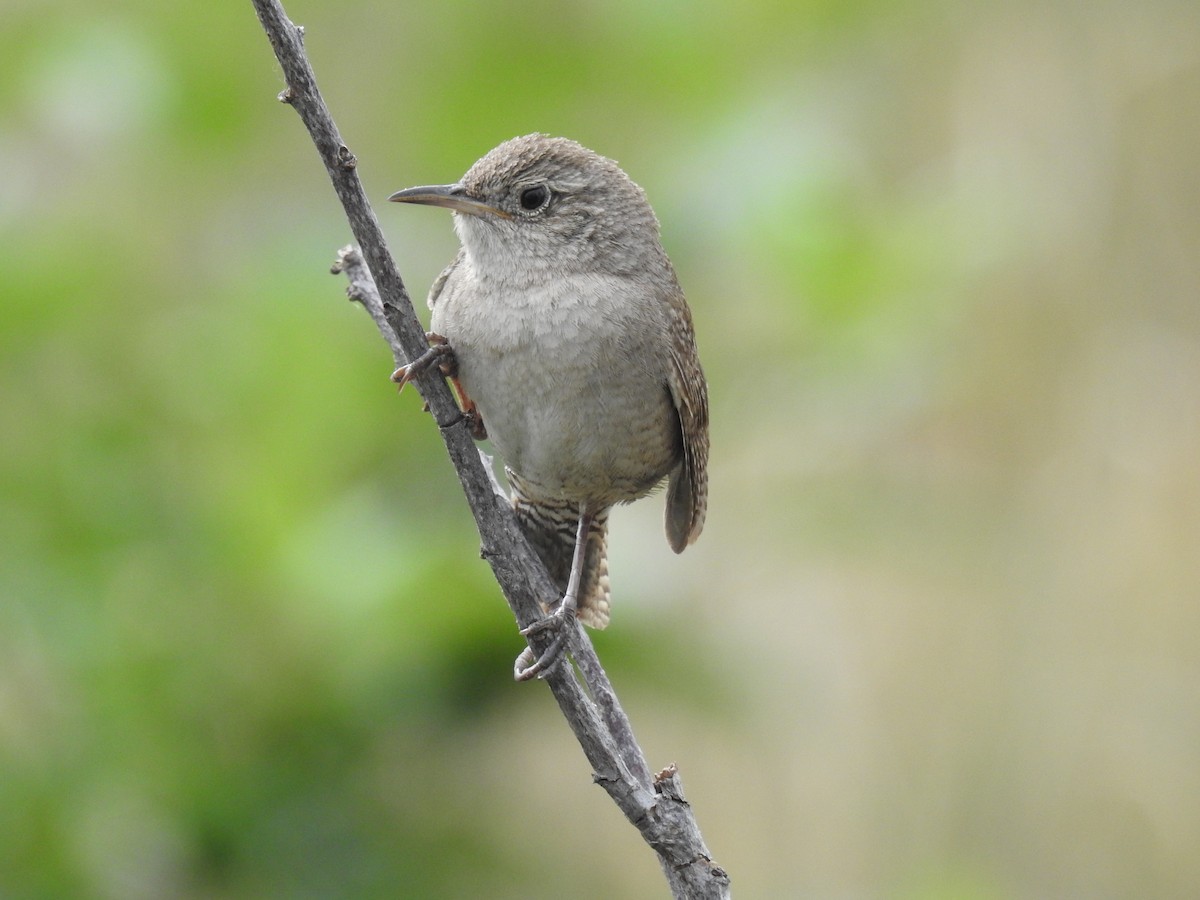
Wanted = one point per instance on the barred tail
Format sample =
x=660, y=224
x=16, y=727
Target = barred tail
x=550, y=527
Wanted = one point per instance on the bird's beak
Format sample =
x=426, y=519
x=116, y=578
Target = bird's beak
x=448, y=196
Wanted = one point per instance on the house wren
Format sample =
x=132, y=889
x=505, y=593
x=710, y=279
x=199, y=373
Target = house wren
x=573, y=347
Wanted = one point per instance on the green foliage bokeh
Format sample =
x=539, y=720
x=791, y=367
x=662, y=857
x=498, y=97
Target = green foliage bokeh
x=939, y=637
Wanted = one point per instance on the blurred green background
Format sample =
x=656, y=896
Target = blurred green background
x=941, y=637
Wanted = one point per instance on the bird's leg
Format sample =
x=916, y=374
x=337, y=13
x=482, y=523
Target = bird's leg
x=470, y=410
x=441, y=354
x=562, y=618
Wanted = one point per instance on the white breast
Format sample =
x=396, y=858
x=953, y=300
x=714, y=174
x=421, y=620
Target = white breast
x=570, y=380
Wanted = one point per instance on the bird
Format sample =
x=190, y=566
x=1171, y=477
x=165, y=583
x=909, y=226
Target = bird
x=572, y=346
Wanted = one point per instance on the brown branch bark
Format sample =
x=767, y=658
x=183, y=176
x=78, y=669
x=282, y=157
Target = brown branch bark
x=654, y=804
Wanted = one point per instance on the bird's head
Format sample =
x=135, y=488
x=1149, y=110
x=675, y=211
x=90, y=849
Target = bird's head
x=539, y=203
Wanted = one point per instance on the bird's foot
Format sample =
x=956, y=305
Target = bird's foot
x=440, y=353
x=559, y=622
x=562, y=620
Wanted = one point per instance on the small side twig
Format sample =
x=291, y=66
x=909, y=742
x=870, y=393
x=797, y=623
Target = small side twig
x=654, y=805
x=361, y=289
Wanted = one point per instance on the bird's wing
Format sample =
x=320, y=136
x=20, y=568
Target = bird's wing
x=687, y=495
x=439, y=283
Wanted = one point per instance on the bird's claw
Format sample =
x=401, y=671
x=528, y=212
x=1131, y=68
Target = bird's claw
x=440, y=353
x=526, y=666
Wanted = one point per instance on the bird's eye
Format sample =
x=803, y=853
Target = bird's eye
x=535, y=197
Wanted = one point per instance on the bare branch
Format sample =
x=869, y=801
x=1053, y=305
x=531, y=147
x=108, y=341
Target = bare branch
x=655, y=805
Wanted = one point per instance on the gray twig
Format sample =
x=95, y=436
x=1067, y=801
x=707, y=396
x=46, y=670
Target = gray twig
x=655, y=805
